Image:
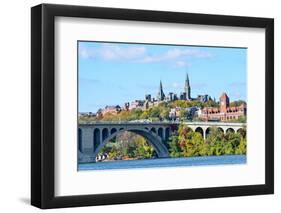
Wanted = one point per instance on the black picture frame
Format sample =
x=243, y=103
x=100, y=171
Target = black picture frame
x=43, y=101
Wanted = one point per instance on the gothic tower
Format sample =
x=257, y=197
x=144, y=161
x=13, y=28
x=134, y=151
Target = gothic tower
x=187, y=89
x=161, y=95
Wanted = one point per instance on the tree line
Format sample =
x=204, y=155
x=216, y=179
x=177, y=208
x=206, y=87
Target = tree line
x=187, y=143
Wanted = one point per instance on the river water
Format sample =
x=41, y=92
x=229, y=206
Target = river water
x=165, y=162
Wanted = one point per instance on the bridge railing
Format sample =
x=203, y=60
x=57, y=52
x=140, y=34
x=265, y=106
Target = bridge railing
x=162, y=122
x=129, y=122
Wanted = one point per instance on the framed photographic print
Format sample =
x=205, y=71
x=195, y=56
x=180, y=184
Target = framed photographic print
x=139, y=106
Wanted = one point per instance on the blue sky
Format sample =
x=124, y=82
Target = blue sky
x=115, y=73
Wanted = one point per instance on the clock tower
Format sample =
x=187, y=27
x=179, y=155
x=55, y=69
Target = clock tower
x=224, y=103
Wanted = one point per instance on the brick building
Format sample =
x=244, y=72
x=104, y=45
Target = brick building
x=111, y=109
x=137, y=104
x=224, y=112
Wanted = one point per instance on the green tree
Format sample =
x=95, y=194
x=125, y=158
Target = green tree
x=211, y=103
x=144, y=151
x=193, y=144
x=237, y=103
x=155, y=112
x=164, y=114
x=228, y=149
x=145, y=114
x=183, y=114
x=135, y=114
x=174, y=147
x=188, y=143
x=242, y=148
x=242, y=119
x=128, y=146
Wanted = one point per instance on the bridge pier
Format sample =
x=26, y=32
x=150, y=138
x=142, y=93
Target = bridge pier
x=87, y=138
x=164, y=134
x=86, y=146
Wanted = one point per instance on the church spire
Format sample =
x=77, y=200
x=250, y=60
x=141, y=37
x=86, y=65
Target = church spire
x=187, y=89
x=161, y=94
x=187, y=79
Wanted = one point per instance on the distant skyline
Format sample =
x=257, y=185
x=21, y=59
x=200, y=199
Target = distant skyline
x=115, y=73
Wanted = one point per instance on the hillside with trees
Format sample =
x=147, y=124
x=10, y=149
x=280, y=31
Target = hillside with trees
x=157, y=113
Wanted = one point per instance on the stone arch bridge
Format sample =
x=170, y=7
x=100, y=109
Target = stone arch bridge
x=92, y=137
x=205, y=127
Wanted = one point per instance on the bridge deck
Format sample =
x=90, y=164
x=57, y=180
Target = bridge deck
x=126, y=123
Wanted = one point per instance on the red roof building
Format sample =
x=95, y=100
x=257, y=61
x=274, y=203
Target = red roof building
x=224, y=112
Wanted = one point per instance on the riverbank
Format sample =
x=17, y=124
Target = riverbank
x=165, y=162
x=124, y=159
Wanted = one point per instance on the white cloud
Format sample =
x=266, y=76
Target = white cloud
x=112, y=52
x=176, y=54
x=138, y=54
x=115, y=52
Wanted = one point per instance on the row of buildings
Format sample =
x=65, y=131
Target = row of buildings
x=150, y=101
x=222, y=113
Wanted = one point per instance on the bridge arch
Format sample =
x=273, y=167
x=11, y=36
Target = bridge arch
x=200, y=130
x=220, y=129
x=153, y=129
x=242, y=132
x=208, y=131
x=105, y=133
x=230, y=130
x=153, y=139
x=113, y=130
